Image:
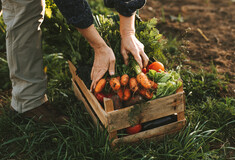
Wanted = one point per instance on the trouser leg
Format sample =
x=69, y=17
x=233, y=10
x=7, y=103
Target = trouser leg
x=24, y=52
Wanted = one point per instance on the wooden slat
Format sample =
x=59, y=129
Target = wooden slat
x=154, y=109
x=159, y=131
x=108, y=105
x=72, y=69
x=89, y=96
x=180, y=116
x=93, y=101
x=180, y=89
x=78, y=94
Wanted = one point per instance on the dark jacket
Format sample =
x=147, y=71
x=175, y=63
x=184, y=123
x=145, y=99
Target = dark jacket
x=78, y=12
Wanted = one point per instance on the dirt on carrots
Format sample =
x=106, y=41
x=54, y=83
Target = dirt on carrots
x=207, y=29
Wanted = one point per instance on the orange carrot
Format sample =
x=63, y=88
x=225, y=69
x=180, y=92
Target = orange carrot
x=100, y=85
x=153, y=84
x=120, y=93
x=138, y=78
x=118, y=77
x=115, y=83
x=133, y=84
x=127, y=94
x=146, y=93
x=143, y=80
x=124, y=79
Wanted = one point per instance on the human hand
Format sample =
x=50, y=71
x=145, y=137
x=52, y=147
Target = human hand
x=104, y=60
x=130, y=44
x=104, y=57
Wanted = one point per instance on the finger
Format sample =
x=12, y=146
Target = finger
x=91, y=87
x=92, y=72
x=112, y=66
x=145, y=58
x=139, y=60
x=135, y=53
x=98, y=76
x=125, y=56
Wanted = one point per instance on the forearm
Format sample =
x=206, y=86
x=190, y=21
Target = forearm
x=127, y=25
x=92, y=36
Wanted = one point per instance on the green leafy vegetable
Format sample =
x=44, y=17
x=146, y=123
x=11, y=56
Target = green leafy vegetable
x=168, y=83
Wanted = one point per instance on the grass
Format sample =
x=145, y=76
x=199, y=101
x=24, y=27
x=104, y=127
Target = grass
x=209, y=132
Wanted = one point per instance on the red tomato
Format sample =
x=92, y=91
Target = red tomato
x=157, y=66
x=144, y=70
x=100, y=96
x=135, y=129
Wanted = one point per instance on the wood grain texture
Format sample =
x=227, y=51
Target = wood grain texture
x=108, y=105
x=89, y=96
x=151, y=110
x=159, y=131
x=78, y=94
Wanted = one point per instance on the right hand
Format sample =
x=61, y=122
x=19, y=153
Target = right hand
x=104, y=60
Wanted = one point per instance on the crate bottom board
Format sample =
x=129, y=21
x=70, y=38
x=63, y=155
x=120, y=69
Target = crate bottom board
x=155, y=133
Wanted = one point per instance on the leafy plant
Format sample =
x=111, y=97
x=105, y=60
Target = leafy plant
x=217, y=112
x=199, y=86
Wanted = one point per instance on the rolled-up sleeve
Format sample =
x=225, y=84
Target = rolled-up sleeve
x=76, y=12
x=125, y=7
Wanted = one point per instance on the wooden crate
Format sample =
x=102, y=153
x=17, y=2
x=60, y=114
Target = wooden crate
x=116, y=120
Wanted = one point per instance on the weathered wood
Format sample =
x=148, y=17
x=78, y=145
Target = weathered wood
x=151, y=110
x=115, y=120
x=93, y=101
x=78, y=94
x=180, y=89
x=89, y=96
x=108, y=105
x=180, y=116
x=159, y=131
x=72, y=69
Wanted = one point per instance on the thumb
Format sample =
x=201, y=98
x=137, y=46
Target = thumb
x=112, y=67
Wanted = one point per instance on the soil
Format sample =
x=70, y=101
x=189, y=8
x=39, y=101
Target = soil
x=215, y=19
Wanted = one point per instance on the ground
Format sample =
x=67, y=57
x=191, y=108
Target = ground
x=186, y=18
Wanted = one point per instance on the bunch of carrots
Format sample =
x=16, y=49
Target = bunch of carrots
x=127, y=87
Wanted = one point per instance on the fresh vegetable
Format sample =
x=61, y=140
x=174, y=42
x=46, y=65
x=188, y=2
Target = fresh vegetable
x=135, y=129
x=119, y=78
x=153, y=84
x=144, y=70
x=100, y=85
x=168, y=88
x=100, y=96
x=168, y=83
x=115, y=83
x=117, y=103
x=141, y=77
x=127, y=94
x=146, y=93
x=143, y=80
x=133, y=100
x=120, y=93
x=157, y=66
x=124, y=79
x=133, y=84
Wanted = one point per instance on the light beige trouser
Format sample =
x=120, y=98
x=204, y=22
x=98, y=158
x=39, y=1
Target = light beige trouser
x=24, y=52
